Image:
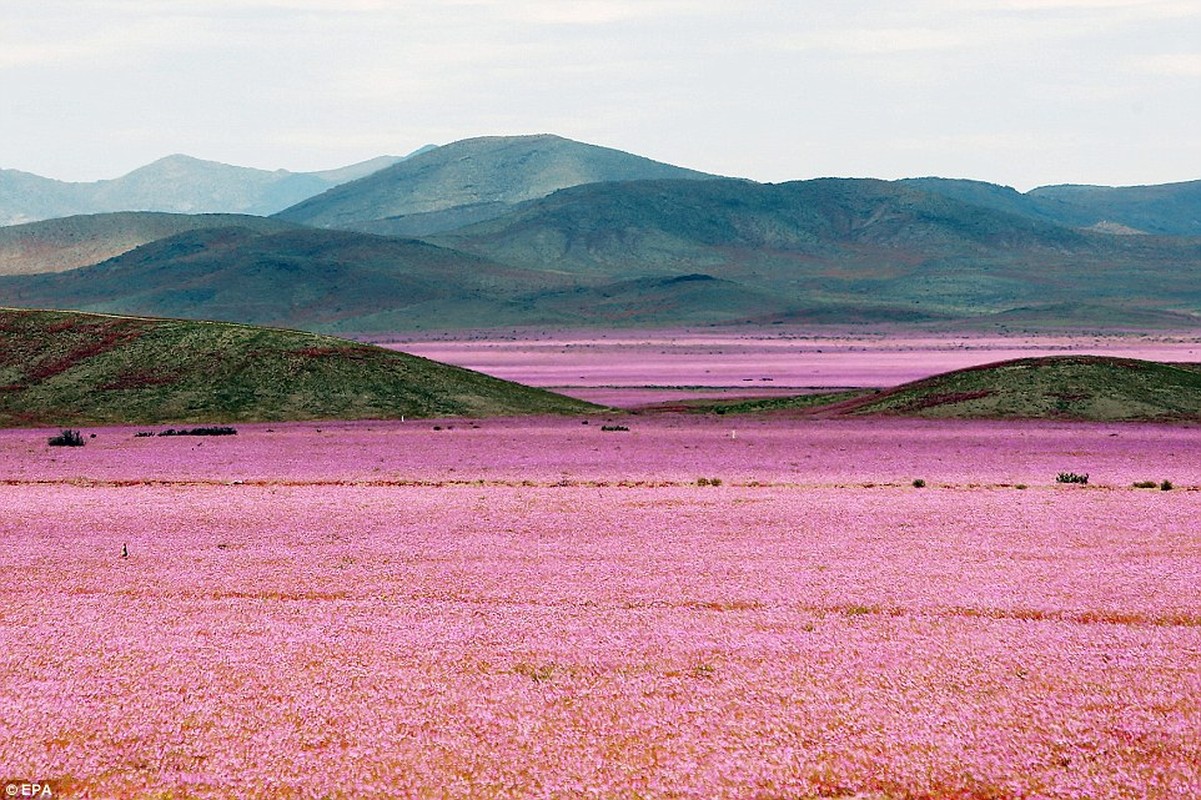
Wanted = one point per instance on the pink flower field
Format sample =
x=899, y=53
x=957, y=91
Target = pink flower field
x=539, y=608
x=632, y=368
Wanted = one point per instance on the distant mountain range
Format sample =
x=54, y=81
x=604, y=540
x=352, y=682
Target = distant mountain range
x=543, y=230
x=177, y=183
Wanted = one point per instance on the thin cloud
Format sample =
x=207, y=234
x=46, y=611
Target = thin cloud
x=1184, y=65
x=872, y=41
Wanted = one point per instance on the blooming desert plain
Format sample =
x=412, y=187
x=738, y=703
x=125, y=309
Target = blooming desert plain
x=655, y=605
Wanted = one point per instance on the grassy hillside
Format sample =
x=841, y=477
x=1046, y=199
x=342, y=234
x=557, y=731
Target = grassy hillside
x=470, y=180
x=1075, y=387
x=1050, y=387
x=57, y=245
x=65, y=368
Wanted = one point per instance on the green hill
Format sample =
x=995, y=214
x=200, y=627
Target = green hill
x=67, y=368
x=57, y=245
x=470, y=180
x=1170, y=209
x=1075, y=387
x=841, y=244
x=1052, y=387
x=298, y=278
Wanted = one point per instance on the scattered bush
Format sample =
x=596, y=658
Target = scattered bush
x=1021, y=486
x=67, y=438
x=1166, y=486
x=918, y=483
x=614, y=428
x=1072, y=477
x=708, y=481
x=1145, y=484
x=143, y=434
x=211, y=431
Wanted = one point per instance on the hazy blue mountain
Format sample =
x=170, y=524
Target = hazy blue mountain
x=1170, y=209
x=178, y=183
x=471, y=180
x=25, y=197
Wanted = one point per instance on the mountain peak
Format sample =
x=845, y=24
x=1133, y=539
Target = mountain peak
x=485, y=174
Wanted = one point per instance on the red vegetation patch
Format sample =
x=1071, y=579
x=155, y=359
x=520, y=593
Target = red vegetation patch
x=102, y=338
x=327, y=352
x=946, y=398
x=139, y=379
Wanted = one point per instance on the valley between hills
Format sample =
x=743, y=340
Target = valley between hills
x=851, y=488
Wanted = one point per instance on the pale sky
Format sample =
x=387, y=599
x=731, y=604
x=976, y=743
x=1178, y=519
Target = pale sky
x=1017, y=92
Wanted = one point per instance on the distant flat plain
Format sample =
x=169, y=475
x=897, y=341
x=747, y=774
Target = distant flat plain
x=630, y=368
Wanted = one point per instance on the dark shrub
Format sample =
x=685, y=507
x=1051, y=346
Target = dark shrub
x=918, y=483
x=67, y=438
x=219, y=430
x=1166, y=486
x=1071, y=477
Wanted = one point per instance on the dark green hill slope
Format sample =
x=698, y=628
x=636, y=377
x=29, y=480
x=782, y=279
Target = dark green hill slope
x=640, y=226
x=838, y=244
x=470, y=180
x=1052, y=387
x=306, y=278
x=66, y=368
x=1170, y=209
x=1167, y=209
x=57, y=245
x=827, y=250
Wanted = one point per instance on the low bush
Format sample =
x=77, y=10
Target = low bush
x=1145, y=484
x=210, y=431
x=1072, y=477
x=1166, y=486
x=918, y=483
x=67, y=438
x=708, y=481
x=614, y=428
